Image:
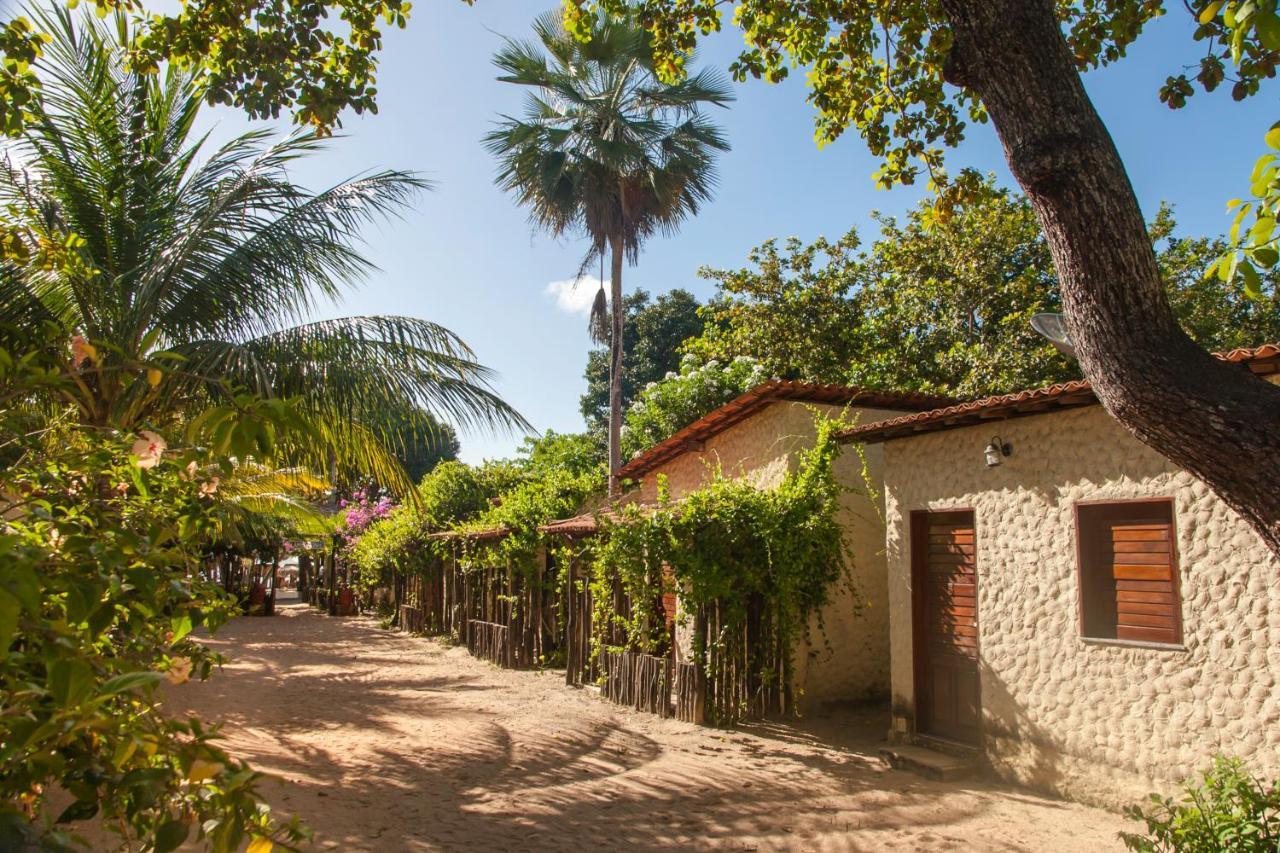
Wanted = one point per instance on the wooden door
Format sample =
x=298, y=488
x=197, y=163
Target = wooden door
x=945, y=617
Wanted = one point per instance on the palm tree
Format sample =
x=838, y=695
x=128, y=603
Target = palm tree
x=607, y=149
x=171, y=279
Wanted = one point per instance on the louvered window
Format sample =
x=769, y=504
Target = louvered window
x=1129, y=572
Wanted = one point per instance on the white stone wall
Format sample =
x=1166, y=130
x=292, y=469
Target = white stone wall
x=846, y=656
x=1101, y=722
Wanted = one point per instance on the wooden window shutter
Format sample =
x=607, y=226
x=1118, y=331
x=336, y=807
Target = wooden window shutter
x=1143, y=569
x=1129, y=572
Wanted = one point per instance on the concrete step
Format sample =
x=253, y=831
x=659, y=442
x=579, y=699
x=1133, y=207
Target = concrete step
x=929, y=763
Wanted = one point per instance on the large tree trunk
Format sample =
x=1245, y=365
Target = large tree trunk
x=616, y=248
x=1214, y=419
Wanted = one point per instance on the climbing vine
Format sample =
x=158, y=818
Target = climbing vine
x=750, y=565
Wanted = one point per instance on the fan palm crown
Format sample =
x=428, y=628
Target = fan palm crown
x=606, y=149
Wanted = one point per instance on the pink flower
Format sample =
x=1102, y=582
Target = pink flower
x=210, y=487
x=149, y=449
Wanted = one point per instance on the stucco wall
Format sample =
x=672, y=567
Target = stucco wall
x=1096, y=721
x=846, y=656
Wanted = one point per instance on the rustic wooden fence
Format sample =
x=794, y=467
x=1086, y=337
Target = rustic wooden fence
x=491, y=641
x=524, y=604
x=638, y=680
x=691, y=690
x=745, y=669
x=411, y=619
x=580, y=666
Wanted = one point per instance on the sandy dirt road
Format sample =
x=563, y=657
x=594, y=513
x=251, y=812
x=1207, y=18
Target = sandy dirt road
x=387, y=742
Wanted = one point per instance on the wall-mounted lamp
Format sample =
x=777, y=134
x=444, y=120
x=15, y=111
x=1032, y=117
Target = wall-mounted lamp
x=995, y=450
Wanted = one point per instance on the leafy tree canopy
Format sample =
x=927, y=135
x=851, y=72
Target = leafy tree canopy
x=666, y=406
x=790, y=310
x=944, y=305
x=314, y=58
x=881, y=67
x=421, y=442
x=654, y=328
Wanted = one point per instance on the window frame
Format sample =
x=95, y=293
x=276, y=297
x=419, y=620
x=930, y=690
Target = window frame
x=1175, y=574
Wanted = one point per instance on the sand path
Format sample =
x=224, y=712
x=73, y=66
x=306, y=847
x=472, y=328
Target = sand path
x=388, y=742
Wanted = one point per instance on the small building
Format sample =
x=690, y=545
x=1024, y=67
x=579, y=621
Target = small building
x=760, y=436
x=1088, y=617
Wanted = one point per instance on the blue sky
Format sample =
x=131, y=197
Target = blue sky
x=466, y=257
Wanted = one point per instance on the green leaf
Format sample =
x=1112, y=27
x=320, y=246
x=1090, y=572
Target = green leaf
x=181, y=626
x=1210, y=11
x=170, y=836
x=69, y=681
x=1227, y=268
x=1268, y=28
x=22, y=583
x=1261, y=231
x=129, y=681
x=1273, y=135
x=1252, y=283
x=1266, y=256
x=10, y=608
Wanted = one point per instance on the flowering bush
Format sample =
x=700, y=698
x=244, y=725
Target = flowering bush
x=451, y=493
x=666, y=406
x=102, y=535
x=362, y=511
x=101, y=589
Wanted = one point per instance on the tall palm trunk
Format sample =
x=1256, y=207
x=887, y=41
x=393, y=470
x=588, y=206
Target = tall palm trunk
x=616, y=247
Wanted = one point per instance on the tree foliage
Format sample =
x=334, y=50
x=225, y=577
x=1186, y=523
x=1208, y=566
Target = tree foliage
x=678, y=399
x=102, y=546
x=168, y=278
x=732, y=546
x=944, y=305
x=421, y=441
x=790, y=310
x=876, y=66
x=556, y=474
x=654, y=329
x=262, y=56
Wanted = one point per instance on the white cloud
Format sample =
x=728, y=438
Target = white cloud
x=574, y=296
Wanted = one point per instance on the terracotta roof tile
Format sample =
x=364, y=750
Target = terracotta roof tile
x=580, y=525
x=474, y=535
x=1261, y=360
x=692, y=436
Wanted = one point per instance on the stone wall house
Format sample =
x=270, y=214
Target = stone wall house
x=1091, y=618
x=759, y=436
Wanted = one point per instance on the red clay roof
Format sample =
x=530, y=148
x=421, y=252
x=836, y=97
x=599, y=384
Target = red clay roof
x=691, y=437
x=1066, y=395
x=588, y=523
x=579, y=525
x=474, y=535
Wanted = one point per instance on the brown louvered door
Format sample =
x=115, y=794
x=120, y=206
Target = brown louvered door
x=945, y=610
x=1140, y=556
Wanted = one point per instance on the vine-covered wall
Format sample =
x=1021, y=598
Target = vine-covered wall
x=843, y=655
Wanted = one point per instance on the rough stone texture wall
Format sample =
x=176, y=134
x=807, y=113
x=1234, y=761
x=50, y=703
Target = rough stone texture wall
x=1097, y=721
x=845, y=657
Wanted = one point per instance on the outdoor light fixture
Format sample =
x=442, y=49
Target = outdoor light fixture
x=1054, y=327
x=995, y=450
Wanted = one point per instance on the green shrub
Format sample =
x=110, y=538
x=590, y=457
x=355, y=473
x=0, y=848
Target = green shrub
x=1229, y=809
